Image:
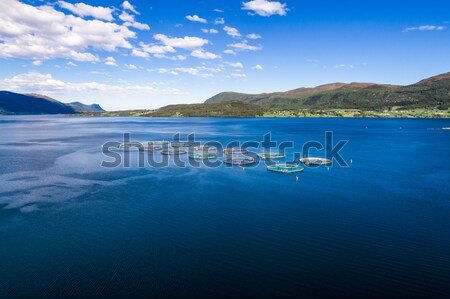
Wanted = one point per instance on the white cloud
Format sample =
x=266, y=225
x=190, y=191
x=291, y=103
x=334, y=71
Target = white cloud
x=173, y=57
x=204, y=55
x=211, y=31
x=258, y=67
x=343, y=65
x=70, y=63
x=84, y=10
x=126, y=17
x=253, y=36
x=244, y=47
x=219, y=21
x=139, y=53
x=42, y=33
x=265, y=8
x=128, y=6
x=232, y=31
x=426, y=28
x=194, y=71
x=229, y=51
x=131, y=66
x=218, y=10
x=238, y=75
x=157, y=49
x=196, y=18
x=137, y=25
x=34, y=82
x=187, y=42
x=236, y=65
x=37, y=62
x=110, y=61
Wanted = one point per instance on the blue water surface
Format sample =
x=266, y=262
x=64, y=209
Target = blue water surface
x=70, y=228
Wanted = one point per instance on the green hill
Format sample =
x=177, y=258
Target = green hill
x=431, y=93
x=223, y=109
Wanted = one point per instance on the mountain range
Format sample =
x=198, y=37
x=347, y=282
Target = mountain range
x=431, y=93
x=16, y=103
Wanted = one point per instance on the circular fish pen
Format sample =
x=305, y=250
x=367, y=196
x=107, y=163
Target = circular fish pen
x=173, y=152
x=157, y=143
x=205, y=148
x=285, y=168
x=131, y=145
x=180, y=144
x=271, y=156
x=153, y=148
x=315, y=161
x=203, y=156
x=235, y=151
x=239, y=161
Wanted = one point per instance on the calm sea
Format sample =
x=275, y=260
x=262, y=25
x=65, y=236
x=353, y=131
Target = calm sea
x=377, y=229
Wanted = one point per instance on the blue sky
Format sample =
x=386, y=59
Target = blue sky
x=146, y=54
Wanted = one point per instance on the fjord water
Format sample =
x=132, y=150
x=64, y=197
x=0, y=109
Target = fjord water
x=377, y=229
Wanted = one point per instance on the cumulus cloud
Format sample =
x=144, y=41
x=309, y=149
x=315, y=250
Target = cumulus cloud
x=425, y=28
x=253, y=36
x=244, y=47
x=187, y=42
x=139, y=53
x=37, y=62
x=211, y=31
x=258, y=67
x=131, y=66
x=196, y=18
x=41, y=33
x=34, y=82
x=128, y=6
x=265, y=8
x=232, y=31
x=204, y=55
x=70, y=63
x=110, y=61
x=229, y=51
x=237, y=65
x=85, y=10
x=156, y=49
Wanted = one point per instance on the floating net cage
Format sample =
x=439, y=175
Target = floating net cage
x=153, y=148
x=235, y=151
x=173, y=152
x=203, y=156
x=285, y=168
x=315, y=161
x=205, y=148
x=271, y=156
x=239, y=161
x=180, y=144
x=158, y=143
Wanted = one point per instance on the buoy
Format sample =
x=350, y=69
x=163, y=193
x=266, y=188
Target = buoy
x=351, y=161
x=296, y=178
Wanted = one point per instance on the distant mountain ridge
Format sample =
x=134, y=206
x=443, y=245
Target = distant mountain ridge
x=433, y=92
x=16, y=103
